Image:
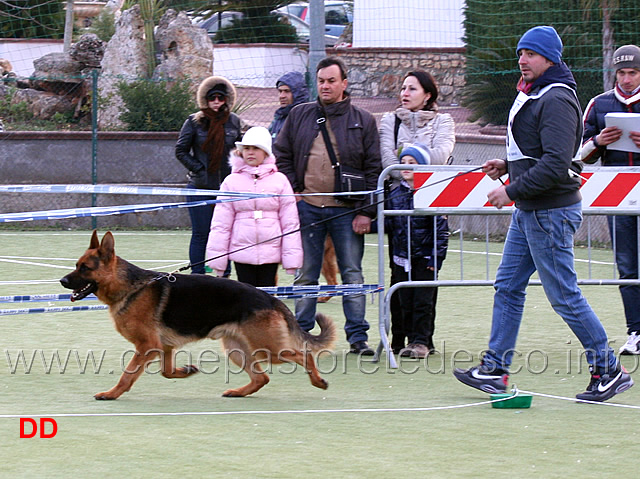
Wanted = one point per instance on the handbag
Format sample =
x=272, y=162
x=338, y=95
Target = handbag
x=348, y=179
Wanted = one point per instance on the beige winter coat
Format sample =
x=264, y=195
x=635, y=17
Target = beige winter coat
x=434, y=130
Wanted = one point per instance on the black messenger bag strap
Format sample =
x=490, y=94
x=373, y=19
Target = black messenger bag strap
x=322, y=124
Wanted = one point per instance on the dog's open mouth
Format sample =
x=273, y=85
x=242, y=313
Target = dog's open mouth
x=85, y=291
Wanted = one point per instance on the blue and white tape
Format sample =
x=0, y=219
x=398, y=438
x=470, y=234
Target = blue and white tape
x=97, y=211
x=119, y=210
x=121, y=190
x=34, y=298
x=111, y=189
x=281, y=292
x=60, y=309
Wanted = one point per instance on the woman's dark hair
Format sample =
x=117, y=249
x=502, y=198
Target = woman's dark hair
x=428, y=84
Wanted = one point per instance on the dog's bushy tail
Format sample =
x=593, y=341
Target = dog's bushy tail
x=324, y=340
x=327, y=336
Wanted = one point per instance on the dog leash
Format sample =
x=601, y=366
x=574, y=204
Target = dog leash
x=171, y=278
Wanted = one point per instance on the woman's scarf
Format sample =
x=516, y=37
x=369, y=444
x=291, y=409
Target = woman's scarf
x=214, y=144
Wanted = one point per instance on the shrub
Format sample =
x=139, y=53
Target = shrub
x=155, y=105
x=257, y=29
x=14, y=112
x=104, y=25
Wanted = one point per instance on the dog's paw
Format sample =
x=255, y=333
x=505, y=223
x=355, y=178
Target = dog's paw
x=188, y=370
x=324, y=384
x=232, y=393
x=105, y=397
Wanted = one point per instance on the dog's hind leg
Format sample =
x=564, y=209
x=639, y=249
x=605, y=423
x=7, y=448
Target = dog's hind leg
x=240, y=353
x=132, y=372
x=329, y=266
x=305, y=359
x=169, y=370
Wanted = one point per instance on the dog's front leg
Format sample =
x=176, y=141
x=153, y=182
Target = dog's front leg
x=132, y=372
x=169, y=370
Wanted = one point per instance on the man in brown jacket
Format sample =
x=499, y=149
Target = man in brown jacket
x=302, y=155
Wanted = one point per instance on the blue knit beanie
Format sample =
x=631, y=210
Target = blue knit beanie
x=417, y=151
x=543, y=40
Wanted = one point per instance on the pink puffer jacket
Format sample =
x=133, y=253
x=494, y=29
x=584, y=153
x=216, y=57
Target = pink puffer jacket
x=238, y=224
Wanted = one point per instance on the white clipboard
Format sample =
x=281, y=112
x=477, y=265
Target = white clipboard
x=627, y=122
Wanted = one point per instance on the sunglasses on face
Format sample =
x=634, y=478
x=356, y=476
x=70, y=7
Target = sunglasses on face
x=216, y=96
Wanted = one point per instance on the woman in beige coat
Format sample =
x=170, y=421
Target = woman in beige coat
x=416, y=121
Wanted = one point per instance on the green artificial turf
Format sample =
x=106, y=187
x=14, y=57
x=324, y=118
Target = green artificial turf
x=373, y=421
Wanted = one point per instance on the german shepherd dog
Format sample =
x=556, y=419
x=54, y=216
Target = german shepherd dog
x=159, y=312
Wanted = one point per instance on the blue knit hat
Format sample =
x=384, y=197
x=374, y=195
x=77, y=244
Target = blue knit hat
x=419, y=152
x=543, y=40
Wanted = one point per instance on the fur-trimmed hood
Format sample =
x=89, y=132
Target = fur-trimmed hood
x=207, y=84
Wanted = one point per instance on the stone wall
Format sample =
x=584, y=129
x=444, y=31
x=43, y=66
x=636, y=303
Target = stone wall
x=144, y=159
x=380, y=71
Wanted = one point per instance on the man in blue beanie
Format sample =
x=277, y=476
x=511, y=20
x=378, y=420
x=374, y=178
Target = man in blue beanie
x=544, y=136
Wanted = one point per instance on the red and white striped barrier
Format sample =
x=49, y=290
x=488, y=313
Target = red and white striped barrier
x=451, y=189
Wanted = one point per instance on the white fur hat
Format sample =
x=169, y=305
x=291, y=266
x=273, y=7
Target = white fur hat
x=257, y=136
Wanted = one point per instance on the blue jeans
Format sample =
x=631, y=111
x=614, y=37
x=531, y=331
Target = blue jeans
x=349, y=250
x=200, y=225
x=542, y=241
x=626, y=244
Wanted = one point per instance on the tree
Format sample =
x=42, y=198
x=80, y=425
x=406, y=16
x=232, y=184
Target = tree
x=258, y=23
x=590, y=31
x=149, y=10
x=607, y=8
x=31, y=19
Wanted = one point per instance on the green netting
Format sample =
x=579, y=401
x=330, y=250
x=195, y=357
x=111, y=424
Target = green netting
x=591, y=30
x=31, y=19
x=587, y=27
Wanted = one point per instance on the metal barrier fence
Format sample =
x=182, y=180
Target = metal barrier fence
x=462, y=191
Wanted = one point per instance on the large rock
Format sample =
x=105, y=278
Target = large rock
x=125, y=60
x=44, y=105
x=57, y=73
x=185, y=50
x=88, y=50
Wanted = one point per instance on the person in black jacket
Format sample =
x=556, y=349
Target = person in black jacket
x=544, y=137
x=416, y=321
x=302, y=155
x=206, y=139
x=623, y=98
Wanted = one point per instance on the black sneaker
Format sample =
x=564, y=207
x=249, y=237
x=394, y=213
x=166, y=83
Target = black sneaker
x=481, y=377
x=604, y=386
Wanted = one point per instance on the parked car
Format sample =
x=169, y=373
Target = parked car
x=303, y=30
x=224, y=19
x=216, y=21
x=337, y=14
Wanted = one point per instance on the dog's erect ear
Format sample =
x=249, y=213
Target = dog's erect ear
x=106, y=250
x=94, y=243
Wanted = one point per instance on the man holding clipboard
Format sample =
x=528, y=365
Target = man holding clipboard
x=612, y=135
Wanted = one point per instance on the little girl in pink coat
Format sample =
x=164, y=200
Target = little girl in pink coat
x=253, y=232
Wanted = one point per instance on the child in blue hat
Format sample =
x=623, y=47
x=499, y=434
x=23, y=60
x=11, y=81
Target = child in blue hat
x=419, y=263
